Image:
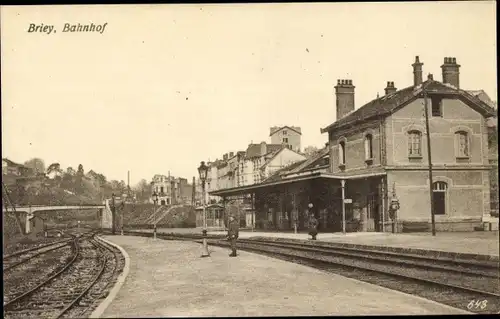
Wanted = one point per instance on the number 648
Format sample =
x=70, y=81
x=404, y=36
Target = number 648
x=475, y=304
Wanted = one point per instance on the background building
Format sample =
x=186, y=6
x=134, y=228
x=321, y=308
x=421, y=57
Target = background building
x=289, y=136
x=171, y=190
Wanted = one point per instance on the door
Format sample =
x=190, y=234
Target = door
x=373, y=213
x=439, y=197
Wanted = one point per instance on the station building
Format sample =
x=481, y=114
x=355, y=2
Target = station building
x=379, y=152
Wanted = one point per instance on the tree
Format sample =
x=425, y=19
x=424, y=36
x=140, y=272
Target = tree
x=70, y=171
x=310, y=151
x=36, y=164
x=80, y=171
x=142, y=190
x=54, y=168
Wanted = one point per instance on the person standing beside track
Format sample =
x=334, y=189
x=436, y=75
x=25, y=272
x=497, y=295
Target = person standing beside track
x=232, y=234
x=313, y=222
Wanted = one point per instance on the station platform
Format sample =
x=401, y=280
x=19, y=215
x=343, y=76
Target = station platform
x=170, y=279
x=468, y=245
x=462, y=243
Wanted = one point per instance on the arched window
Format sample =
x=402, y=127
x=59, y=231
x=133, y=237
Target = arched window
x=414, y=143
x=368, y=147
x=462, y=142
x=439, y=197
x=342, y=153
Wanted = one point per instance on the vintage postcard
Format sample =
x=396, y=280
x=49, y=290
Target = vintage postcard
x=270, y=159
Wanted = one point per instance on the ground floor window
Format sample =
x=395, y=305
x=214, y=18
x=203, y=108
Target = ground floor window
x=439, y=197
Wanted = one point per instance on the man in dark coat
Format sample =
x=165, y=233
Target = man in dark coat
x=232, y=234
x=313, y=227
x=313, y=222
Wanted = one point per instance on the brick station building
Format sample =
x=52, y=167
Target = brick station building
x=379, y=151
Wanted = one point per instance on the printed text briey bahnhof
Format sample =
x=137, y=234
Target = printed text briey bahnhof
x=67, y=27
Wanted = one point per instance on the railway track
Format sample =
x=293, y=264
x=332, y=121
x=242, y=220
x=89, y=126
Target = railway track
x=467, y=285
x=70, y=290
x=463, y=290
x=16, y=259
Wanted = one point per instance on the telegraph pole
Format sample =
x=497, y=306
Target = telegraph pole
x=429, y=158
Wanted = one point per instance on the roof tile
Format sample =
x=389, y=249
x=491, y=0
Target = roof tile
x=253, y=150
x=388, y=103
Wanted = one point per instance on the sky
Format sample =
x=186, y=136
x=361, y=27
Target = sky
x=167, y=86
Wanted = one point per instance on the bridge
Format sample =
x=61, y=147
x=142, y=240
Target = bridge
x=37, y=208
x=30, y=211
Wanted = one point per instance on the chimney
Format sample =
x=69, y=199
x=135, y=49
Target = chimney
x=451, y=73
x=231, y=154
x=344, y=90
x=224, y=157
x=390, y=88
x=263, y=148
x=417, y=71
x=430, y=77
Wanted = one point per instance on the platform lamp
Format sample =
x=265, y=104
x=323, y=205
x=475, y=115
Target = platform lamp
x=203, y=171
x=155, y=202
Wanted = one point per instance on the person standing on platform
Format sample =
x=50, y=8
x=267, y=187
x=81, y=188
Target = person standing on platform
x=232, y=234
x=313, y=223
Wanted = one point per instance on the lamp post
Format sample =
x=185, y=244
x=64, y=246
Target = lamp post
x=155, y=201
x=113, y=208
x=343, y=205
x=203, y=170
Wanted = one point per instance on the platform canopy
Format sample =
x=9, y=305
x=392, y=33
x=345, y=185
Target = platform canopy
x=293, y=178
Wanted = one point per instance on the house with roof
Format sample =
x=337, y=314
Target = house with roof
x=289, y=136
x=277, y=160
x=385, y=142
x=378, y=151
x=171, y=190
x=11, y=168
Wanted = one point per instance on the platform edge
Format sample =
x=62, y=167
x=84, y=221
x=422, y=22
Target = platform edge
x=97, y=313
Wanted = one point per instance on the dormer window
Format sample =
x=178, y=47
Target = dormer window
x=437, y=106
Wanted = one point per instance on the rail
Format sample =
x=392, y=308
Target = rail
x=74, y=288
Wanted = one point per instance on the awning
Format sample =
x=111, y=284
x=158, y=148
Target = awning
x=297, y=177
